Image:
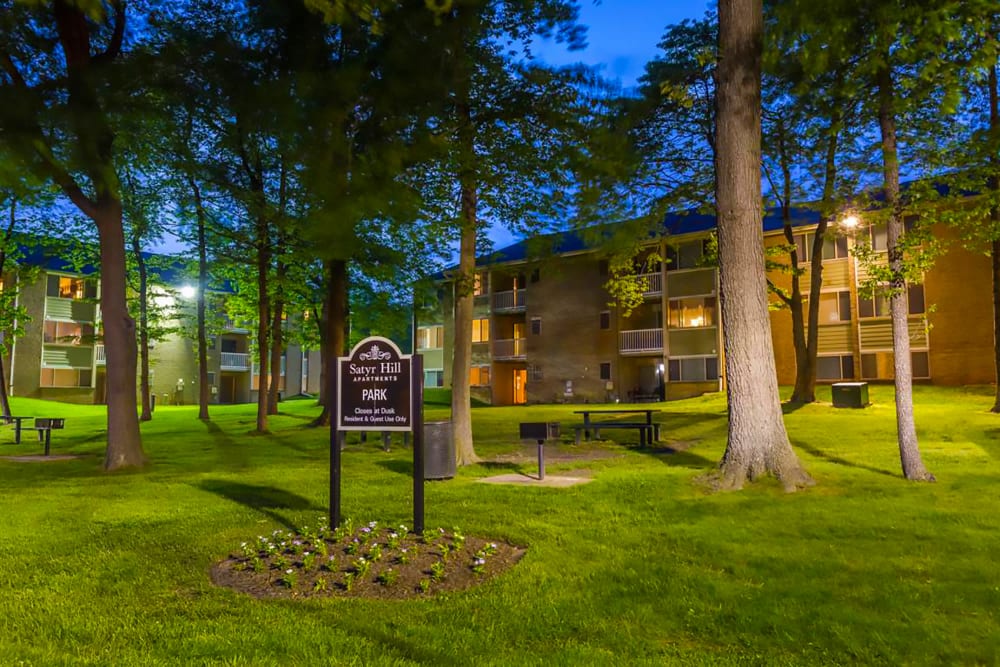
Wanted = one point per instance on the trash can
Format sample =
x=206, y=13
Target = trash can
x=850, y=394
x=439, y=450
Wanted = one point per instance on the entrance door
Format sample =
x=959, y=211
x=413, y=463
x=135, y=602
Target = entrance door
x=227, y=389
x=520, y=379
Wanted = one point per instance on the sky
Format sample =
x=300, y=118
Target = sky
x=622, y=34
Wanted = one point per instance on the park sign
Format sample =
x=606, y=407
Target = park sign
x=373, y=388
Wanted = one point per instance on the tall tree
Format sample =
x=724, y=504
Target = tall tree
x=57, y=103
x=757, y=443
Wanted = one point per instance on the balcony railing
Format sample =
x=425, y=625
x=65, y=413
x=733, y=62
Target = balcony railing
x=235, y=361
x=651, y=284
x=641, y=340
x=511, y=348
x=99, y=357
x=229, y=325
x=511, y=301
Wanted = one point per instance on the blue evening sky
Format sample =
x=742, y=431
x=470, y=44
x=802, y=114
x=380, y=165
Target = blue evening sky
x=622, y=34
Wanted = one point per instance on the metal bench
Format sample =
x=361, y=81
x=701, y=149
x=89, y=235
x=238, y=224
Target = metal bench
x=649, y=432
x=45, y=426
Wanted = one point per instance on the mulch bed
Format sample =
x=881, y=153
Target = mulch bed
x=370, y=562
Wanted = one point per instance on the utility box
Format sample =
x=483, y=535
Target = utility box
x=539, y=431
x=439, y=450
x=850, y=394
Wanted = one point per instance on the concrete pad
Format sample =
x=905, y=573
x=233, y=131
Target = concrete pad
x=528, y=480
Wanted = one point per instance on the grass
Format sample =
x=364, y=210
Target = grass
x=639, y=566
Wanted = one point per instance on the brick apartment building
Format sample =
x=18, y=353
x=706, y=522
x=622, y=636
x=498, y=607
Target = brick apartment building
x=60, y=355
x=546, y=330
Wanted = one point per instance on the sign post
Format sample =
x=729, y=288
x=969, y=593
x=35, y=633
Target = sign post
x=377, y=388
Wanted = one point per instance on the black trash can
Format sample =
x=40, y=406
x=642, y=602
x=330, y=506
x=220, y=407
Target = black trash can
x=849, y=394
x=439, y=450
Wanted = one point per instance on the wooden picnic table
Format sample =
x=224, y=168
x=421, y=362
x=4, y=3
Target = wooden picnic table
x=17, y=425
x=648, y=431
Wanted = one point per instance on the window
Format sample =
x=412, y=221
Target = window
x=878, y=365
x=835, y=367
x=479, y=376
x=65, y=377
x=66, y=287
x=430, y=338
x=834, y=247
x=606, y=370
x=878, y=306
x=694, y=312
x=686, y=255
x=879, y=237
x=434, y=378
x=536, y=326
x=535, y=373
x=67, y=333
x=605, y=319
x=695, y=369
x=481, y=330
x=211, y=378
x=834, y=307
x=480, y=284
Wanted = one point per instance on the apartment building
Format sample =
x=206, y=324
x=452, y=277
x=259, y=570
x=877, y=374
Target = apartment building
x=548, y=330
x=60, y=355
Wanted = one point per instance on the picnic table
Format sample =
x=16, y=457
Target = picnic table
x=17, y=421
x=648, y=431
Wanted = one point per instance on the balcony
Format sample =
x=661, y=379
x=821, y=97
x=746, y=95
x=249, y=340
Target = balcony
x=231, y=327
x=641, y=341
x=511, y=348
x=235, y=361
x=651, y=284
x=512, y=301
x=99, y=356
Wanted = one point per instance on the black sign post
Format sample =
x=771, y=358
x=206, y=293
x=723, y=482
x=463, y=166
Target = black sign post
x=377, y=388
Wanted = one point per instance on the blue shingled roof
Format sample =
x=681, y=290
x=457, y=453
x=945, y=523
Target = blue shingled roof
x=675, y=224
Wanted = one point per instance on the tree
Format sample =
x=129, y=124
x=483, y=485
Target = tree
x=757, y=443
x=510, y=127
x=58, y=99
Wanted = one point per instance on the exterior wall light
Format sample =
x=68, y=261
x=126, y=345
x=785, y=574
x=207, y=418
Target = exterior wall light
x=188, y=292
x=850, y=222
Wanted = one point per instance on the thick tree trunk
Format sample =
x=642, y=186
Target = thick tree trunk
x=204, y=395
x=994, y=186
x=147, y=412
x=906, y=430
x=4, y=399
x=335, y=337
x=8, y=234
x=277, y=342
x=757, y=443
x=124, y=441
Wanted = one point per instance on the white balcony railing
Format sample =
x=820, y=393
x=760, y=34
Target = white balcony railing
x=99, y=356
x=235, y=361
x=651, y=284
x=511, y=348
x=229, y=325
x=641, y=340
x=512, y=300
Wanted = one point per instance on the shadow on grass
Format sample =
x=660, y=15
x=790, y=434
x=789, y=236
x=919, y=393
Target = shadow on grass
x=265, y=499
x=231, y=453
x=991, y=444
x=398, y=466
x=676, y=456
x=820, y=454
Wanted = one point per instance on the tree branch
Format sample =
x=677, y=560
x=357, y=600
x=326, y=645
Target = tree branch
x=115, y=46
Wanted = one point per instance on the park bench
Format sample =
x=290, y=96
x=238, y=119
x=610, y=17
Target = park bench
x=44, y=426
x=649, y=432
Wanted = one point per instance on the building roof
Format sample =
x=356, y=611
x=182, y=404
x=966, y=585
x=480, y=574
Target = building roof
x=674, y=224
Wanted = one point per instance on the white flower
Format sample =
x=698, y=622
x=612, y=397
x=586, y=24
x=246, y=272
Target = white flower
x=288, y=571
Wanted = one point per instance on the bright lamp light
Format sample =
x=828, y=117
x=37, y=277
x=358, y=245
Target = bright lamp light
x=850, y=222
x=187, y=291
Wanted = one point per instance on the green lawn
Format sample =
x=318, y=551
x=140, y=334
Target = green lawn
x=641, y=566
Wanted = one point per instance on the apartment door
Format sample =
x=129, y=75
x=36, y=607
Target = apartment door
x=520, y=380
x=227, y=389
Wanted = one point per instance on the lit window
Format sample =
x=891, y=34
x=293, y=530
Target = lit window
x=67, y=333
x=480, y=330
x=479, y=376
x=834, y=307
x=430, y=338
x=65, y=377
x=479, y=284
x=694, y=312
x=66, y=287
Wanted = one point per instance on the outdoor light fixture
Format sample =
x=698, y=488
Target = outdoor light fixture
x=850, y=222
x=187, y=291
x=660, y=368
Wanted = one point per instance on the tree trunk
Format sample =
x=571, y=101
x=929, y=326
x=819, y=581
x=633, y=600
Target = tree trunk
x=124, y=440
x=263, y=324
x=757, y=443
x=906, y=430
x=147, y=413
x=204, y=394
x=334, y=339
x=8, y=234
x=4, y=400
x=994, y=186
x=277, y=342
